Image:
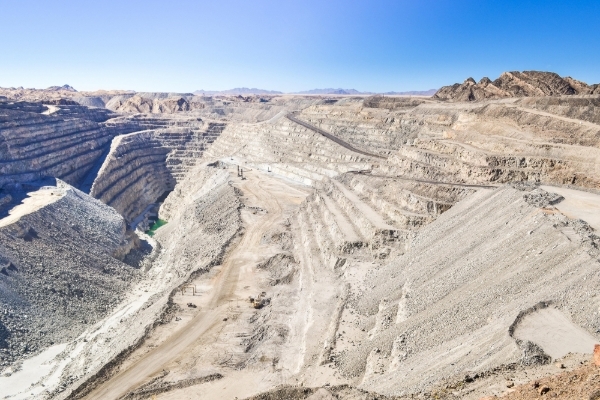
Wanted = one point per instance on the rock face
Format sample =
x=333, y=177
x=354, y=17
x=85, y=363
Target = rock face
x=35, y=145
x=516, y=84
x=134, y=174
x=58, y=270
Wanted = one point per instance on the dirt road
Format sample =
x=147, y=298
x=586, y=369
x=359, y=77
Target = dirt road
x=262, y=191
x=333, y=138
x=555, y=116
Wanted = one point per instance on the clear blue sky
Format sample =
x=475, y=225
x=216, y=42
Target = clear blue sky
x=289, y=45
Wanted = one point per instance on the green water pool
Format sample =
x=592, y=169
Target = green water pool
x=155, y=226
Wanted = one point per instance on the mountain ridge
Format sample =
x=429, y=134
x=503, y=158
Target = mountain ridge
x=516, y=84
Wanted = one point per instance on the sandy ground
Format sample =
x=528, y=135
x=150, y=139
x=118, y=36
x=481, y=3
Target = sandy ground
x=221, y=299
x=578, y=205
x=51, y=109
x=32, y=370
x=555, y=333
x=36, y=200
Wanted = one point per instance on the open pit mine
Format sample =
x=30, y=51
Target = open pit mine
x=173, y=246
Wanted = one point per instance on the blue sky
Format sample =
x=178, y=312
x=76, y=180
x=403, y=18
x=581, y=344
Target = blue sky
x=290, y=45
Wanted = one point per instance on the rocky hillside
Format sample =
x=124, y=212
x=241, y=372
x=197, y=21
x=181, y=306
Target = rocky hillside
x=516, y=84
x=143, y=166
x=59, y=267
x=56, y=93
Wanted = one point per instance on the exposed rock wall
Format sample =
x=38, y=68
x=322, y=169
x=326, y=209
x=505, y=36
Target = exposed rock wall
x=547, y=139
x=581, y=108
x=34, y=145
x=62, y=141
x=140, y=104
x=287, y=149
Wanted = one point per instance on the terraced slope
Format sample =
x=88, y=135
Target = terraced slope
x=143, y=166
x=495, y=141
x=287, y=149
x=64, y=141
x=35, y=145
x=134, y=174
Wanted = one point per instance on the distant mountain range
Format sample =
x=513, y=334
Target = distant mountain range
x=235, y=91
x=429, y=92
x=331, y=91
x=327, y=91
x=255, y=91
x=66, y=88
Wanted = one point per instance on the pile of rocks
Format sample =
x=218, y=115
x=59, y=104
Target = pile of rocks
x=58, y=272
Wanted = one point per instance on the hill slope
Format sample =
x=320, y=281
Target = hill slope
x=516, y=84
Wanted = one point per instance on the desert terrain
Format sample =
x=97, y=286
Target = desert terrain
x=276, y=246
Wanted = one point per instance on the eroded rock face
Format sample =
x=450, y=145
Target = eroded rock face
x=38, y=145
x=516, y=84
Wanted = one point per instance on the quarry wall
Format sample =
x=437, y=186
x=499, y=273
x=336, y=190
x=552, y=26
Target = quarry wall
x=409, y=252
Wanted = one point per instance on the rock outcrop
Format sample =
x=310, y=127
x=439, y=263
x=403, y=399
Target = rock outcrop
x=134, y=174
x=516, y=84
x=34, y=145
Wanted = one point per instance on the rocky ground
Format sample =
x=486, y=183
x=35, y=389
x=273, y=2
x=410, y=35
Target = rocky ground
x=59, y=253
x=579, y=383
